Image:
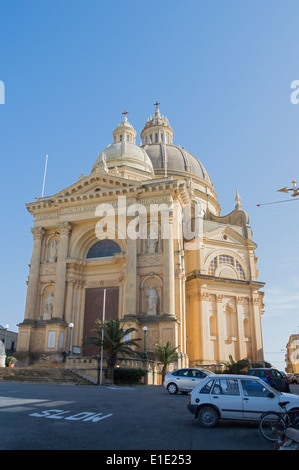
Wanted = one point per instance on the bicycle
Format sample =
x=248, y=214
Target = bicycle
x=273, y=424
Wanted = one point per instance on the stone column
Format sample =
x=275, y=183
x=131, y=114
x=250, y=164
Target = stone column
x=241, y=335
x=221, y=327
x=168, y=272
x=257, y=330
x=131, y=276
x=33, y=281
x=59, y=291
x=205, y=327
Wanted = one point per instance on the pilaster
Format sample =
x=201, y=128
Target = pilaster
x=131, y=281
x=60, y=280
x=168, y=271
x=33, y=281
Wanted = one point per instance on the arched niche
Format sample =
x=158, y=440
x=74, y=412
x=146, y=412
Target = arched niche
x=148, y=284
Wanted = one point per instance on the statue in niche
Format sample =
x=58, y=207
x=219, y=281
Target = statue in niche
x=53, y=251
x=152, y=241
x=49, y=307
x=152, y=300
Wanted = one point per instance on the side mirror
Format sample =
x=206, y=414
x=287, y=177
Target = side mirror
x=271, y=395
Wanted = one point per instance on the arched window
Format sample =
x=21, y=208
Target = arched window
x=240, y=270
x=103, y=248
x=226, y=260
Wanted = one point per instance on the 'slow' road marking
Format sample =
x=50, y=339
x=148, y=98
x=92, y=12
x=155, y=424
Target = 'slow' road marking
x=61, y=414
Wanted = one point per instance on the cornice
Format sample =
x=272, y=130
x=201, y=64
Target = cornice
x=165, y=186
x=196, y=275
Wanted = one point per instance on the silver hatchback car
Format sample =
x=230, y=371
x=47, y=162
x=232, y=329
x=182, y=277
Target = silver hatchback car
x=184, y=380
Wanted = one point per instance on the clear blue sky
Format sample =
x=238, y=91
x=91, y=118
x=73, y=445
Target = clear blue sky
x=221, y=70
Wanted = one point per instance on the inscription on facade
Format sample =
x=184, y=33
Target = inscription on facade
x=92, y=207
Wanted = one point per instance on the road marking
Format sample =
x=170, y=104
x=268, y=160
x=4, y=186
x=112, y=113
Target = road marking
x=61, y=414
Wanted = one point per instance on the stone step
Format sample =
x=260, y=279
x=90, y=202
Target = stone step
x=41, y=375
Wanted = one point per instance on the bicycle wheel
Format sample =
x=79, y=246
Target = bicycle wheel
x=272, y=425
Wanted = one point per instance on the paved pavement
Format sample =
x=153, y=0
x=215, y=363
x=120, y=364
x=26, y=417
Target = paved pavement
x=56, y=417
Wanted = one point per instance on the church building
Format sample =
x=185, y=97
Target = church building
x=102, y=247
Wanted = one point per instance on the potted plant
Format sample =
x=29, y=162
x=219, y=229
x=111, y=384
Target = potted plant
x=11, y=360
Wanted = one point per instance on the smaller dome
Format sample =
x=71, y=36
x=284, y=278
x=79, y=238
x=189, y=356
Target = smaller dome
x=122, y=154
x=124, y=132
x=157, y=129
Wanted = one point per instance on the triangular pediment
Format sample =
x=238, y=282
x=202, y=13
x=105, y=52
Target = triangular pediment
x=94, y=183
x=227, y=236
x=100, y=185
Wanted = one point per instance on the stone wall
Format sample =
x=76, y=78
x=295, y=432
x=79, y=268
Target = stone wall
x=90, y=367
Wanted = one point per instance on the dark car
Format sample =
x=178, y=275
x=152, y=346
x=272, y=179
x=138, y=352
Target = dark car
x=272, y=377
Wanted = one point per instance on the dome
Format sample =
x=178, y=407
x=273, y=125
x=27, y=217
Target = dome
x=157, y=141
x=124, y=132
x=178, y=160
x=157, y=129
x=122, y=154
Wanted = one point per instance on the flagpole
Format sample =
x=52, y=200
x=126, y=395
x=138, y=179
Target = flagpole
x=104, y=306
x=45, y=176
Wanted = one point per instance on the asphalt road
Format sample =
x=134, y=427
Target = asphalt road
x=58, y=417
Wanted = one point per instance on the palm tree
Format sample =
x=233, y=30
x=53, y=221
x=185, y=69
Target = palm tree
x=234, y=367
x=166, y=355
x=114, y=343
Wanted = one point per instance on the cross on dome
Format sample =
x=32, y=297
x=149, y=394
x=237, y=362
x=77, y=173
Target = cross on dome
x=125, y=114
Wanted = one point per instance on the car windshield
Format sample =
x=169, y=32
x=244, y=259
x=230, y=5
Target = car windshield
x=207, y=386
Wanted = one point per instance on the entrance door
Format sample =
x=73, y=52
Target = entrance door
x=94, y=311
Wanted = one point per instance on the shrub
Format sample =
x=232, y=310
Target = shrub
x=128, y=376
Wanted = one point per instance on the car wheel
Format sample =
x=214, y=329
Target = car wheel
x=207, y=417
x=172, y=388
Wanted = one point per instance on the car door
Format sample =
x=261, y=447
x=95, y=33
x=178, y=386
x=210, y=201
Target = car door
x=258, y=398
x=183, y=380
x=195, y=377
x=226, y=396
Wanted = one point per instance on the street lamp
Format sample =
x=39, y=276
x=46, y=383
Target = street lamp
x=6, y=328
x=144, y=354
x=71, y=325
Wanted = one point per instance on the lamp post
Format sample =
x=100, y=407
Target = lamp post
x=145, y=354
x=6, y=328
x=102, y=346
x=71, y=325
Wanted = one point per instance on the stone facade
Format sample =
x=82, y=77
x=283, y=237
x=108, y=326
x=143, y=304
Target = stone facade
x=292, y=356
x=201, y=293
